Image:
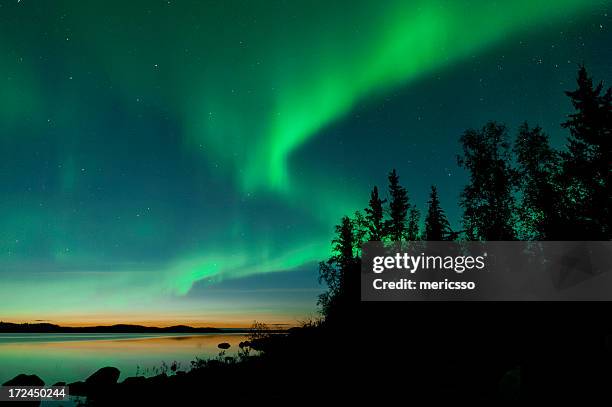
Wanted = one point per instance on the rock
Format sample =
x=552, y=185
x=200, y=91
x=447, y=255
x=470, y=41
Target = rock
x=107, y=376
x=59, y=384
x=25, y=380
x=77, y=388
x=224, y=345
x=136, y=380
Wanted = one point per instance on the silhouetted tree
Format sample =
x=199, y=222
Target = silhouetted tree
x=540, y=209
x=437, y=227
x=587, y=164
x=375, y=217
x=412, y=232
x=398, y=209
x=361, y=229
x=340, y=273
x=488, y=200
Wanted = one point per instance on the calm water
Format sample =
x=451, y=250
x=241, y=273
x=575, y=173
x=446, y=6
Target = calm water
x=72, y=357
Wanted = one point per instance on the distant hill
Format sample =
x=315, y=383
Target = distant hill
x=7, y=327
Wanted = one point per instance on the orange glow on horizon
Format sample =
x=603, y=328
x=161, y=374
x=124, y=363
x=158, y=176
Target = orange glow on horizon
x=70, y=321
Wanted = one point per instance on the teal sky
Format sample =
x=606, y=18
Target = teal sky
x=187, y=160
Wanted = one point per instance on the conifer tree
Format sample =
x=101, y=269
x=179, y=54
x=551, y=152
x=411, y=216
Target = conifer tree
x=412, y=232
x=398, y=209
x=437, y=227
x=375, y=216
x=587, y=164
x=340, y=272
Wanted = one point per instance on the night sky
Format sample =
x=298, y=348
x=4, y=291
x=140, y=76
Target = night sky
x=177, y=161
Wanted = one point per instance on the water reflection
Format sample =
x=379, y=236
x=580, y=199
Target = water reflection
x=72, y=357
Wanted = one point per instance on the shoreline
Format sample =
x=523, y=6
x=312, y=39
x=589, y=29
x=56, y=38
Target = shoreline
x=11, y=328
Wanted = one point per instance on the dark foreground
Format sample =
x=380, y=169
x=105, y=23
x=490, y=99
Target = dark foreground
x=509, y=354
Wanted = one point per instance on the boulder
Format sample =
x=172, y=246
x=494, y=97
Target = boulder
x=77, y=389
x=25, y=380
x=107, y=376
x=134, y=381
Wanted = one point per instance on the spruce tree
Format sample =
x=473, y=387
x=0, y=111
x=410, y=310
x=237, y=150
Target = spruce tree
x=412, y=232
x=398, y=209
x=340, y=272
x=587, y=164
x=375, y=216
x=437, y=227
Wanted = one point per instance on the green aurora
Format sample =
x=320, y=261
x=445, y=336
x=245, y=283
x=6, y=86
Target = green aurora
x=152, y=146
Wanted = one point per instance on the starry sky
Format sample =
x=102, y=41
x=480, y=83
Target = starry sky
x=169, y=162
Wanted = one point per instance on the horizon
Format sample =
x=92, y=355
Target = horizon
x=159, y=323
x=154, y=324
x=177, y=163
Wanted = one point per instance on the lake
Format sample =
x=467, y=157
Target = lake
x=73, y=357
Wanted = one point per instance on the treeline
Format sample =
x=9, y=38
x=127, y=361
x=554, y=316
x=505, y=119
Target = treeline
x=8, y=327
x=519, y=190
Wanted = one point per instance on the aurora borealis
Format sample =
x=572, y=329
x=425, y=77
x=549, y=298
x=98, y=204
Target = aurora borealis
x=186, y=161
